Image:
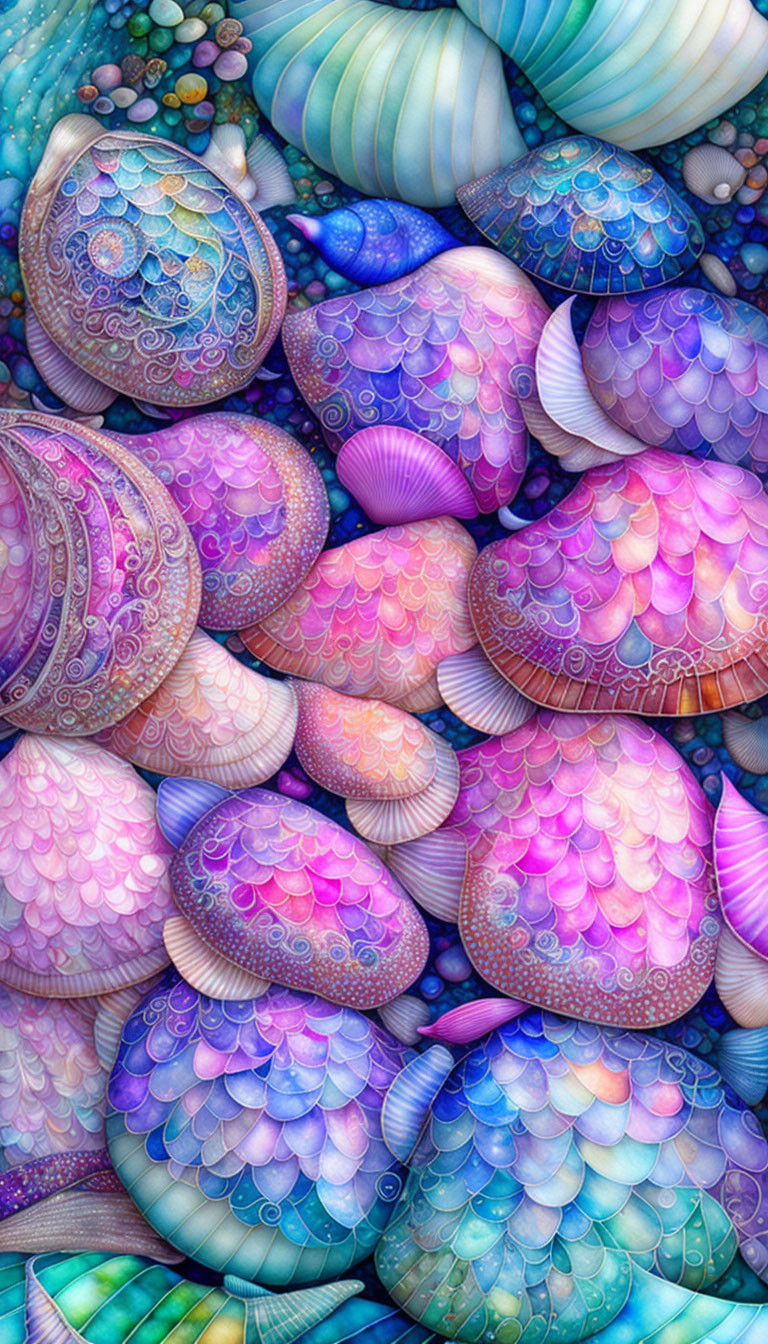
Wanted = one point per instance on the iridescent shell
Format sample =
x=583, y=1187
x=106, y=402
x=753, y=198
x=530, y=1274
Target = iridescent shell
x=375, y=617
x=683, y=369
x=254, y=502
x=211, y=717
x=249, y=1133
x=84, y=871
x=399, y=778
x=586, y=216
x=99, y=581
x=447, y=351
x=397, y=476
x=374, y=241
x=286, y=894
x=642, y=591
x=581, y=1174
x=145, y=270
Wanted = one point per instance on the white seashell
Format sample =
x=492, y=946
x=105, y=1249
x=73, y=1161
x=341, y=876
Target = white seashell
x=712, y=174
x=746, y=741
x=741, y=980
x=392, y=821
x=404, y=1016
x=432, y=870
x=479, y=696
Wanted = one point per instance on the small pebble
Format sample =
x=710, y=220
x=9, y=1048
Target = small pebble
x=103, y=105
x=107, y=77
x=718, y=274
x=133, y=69
x=205, y=54
x=205, y=110
x=431, y=987
x=170, y=100
x=725, y=134
x=143, y=110
x=757, y=177
x=161, y=39
x=761, y=146
x=196, y=125
x=243, y=44
x=453, y=965
x=191, y=88
x=166, y=13
x=139, y=25
x=212, y=13
x=755, y=258
x=230, y=65
x=745, y=139
x=746, y=157
x=87, y=93
x=748, y=195
x=289, y=784
x=323, y=188
x=190, y=30
x=123, y=97
x=228, y=31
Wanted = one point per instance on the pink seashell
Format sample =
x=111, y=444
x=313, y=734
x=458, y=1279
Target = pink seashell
x=397, y=476
x=589, y=887
x=282, y=892
x=741, y=867
x=254, y=502
x=112, y=586
x=375, y=617
x=212, y=718
x=400, y=778
x=453, y=344
x=84, y=871
x=470, y=1021
x=642, y=591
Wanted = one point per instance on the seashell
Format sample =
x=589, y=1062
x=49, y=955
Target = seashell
x=434, y=867
x=741, y=865
x=589, y=886
x=294, y=898
x=371, y=242
x=398, y=476
x=259, y=175
x=105, y=1297
x=447, y=352
x=103, y=591
x=410, y=1097
x=211, y=716
x=205, y=969
x=95, y=1217
x=84, y=871
x=718, y=274
x=254, y=502
x=112, y=1011
x=286, y=1090
x=182, y=802
x=658, y=611
x=543, y=1142
x=399, y=778
x=404, y=1017
x=586, y=216
x=473, y=690
x=375, y=616
x=683, y=369
x=712, y=174
x=636, y=83
x=746, y=741
x=472, y=1020
x=397, y=104
x=742, y=1058
x=741, y=980
x=191, y=285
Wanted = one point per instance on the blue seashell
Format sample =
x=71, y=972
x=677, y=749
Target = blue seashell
x=373, y=241
x=586, y=216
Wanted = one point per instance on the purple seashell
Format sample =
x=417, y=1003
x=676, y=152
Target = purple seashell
x=472, y=1020
x=741, y=865
x=397, y=476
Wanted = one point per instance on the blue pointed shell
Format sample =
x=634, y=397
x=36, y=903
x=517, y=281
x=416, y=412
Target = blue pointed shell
x=586, y=216
x=373, y=241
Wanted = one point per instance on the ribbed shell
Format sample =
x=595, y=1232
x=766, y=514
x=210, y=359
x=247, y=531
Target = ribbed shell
x=371, y=242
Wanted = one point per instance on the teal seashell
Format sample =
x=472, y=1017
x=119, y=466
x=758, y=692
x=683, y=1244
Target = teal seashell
x=635, y=75
x=399, y=103
x=586, y=216
x=12, y=1294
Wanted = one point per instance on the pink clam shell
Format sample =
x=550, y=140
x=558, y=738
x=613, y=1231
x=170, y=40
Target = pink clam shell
x=741, y=867
x=375, y=617
x=589, y=887
x=84, y=871
x=643, y=590
x=398, y=476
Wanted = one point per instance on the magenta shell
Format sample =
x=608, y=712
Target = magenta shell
x=643, y=590
x=741, y=865
x=447, y=351
x=397, y=476
x=254, y=502
x=589, y=888
x=286, y=894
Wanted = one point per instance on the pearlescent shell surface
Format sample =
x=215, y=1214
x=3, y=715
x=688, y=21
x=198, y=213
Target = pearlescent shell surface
x=589, y=888
x=288, y=895
x=250, y=1133
x=643, y=590
x=84, y=871
x=149, y=273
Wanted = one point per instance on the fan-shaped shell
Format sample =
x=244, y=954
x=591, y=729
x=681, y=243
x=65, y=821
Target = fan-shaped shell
x=84, y=871
x=211, y=717
x=284, y=893
x=144, y=268
x=371, y=242
x=741, y=862
x=447, y=352
x=642, y=591
x=401, y=477
x=257, y=1147
x=100, y=582
x=635, y=79
x=712, y=174
x=375, y=616
x=396, y=103
x=586, y=216
x=589, y=887
x=683, y=369
x=254, y=502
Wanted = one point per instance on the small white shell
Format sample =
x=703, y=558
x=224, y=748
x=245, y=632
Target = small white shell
x=712, y=174
x=403, y=1017
x=741, y=980
x=746, y=741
